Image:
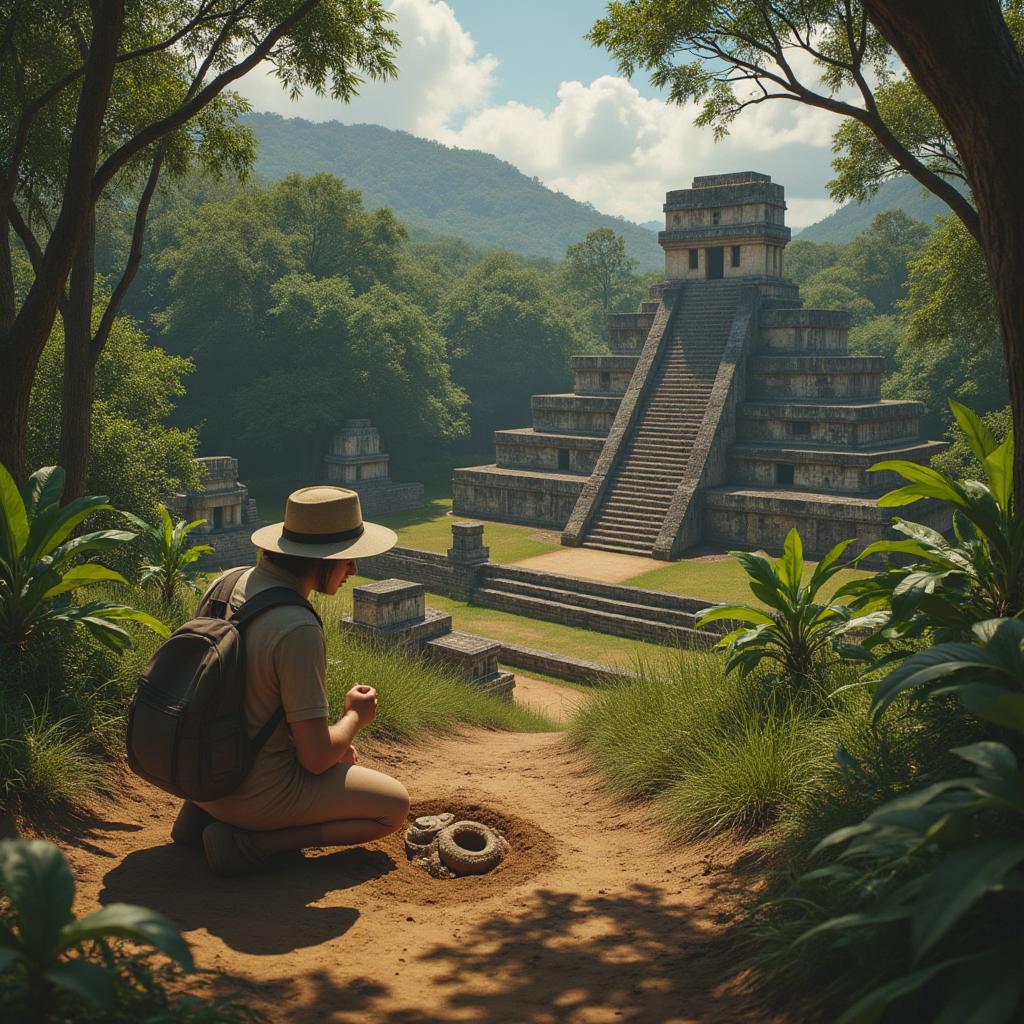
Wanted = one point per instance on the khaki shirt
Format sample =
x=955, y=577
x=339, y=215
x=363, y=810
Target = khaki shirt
x=285, y=666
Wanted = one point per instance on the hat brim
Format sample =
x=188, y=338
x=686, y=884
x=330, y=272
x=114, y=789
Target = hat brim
x=374, y=540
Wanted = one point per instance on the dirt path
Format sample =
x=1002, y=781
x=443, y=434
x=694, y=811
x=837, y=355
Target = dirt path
x=594, y=918
x=590, y=564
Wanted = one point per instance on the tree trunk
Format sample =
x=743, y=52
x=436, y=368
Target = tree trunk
x=21, y=343
x=964, y=59
x=79, y=368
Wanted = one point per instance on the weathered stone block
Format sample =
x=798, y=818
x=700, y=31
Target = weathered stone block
x=473, y=657
x=468, y=544
x=388, y=603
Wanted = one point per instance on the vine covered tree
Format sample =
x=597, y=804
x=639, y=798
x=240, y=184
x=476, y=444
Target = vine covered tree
x=98, y=96
x=951, y=118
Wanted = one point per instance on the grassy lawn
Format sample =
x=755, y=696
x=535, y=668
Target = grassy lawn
x=716, y=579
x=429, y=527
x=547, y=636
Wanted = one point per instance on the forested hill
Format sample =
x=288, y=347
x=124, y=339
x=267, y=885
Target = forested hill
x=853, y=219
x=441, y=190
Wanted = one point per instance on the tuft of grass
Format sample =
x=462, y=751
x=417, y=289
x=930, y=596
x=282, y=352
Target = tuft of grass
x=720, y=752
x=417, y=698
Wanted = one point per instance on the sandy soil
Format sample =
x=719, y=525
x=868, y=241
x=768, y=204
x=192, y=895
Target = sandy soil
x=557, y=702
x=589, y=564
x=593, y=917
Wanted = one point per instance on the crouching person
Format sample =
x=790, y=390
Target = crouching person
x=305, y=786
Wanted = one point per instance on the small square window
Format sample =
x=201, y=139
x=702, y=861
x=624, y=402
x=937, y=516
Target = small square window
x=735, y=255
x=563, y=458
x=606, y=380
x=693, y=259
x=784, y=473
x=800, y=428
x=675, y=218
x=716, y=216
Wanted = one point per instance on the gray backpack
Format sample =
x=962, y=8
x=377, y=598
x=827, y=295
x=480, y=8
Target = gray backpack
x=186, y=723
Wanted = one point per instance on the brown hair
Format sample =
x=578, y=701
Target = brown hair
x=299, y=565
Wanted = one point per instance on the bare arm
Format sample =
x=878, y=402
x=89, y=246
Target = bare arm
x=319, y=746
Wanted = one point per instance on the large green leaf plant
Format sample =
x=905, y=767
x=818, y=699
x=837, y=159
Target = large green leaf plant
x=945, y=863
x=795, y=628
x=51, y=955
x=946, y=584
x=43, y=562
x=171, y=555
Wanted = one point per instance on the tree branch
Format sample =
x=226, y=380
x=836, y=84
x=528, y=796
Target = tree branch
x=186, y=110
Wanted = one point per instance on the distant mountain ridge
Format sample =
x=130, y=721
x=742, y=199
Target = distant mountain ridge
x=902, y=193
x=441, y=190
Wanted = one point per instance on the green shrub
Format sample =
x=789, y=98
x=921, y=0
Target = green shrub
x=718, y=750
x=796, y=630
x=41, y=567
x=55, y=967
x=935, y=874
x=950, y=584
x=172, y=557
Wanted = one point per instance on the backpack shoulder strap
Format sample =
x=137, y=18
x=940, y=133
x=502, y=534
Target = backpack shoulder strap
x=216, y=601
x=272, y=597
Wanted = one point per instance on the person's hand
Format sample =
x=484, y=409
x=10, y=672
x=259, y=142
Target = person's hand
x=362, y=700
x=351, y=756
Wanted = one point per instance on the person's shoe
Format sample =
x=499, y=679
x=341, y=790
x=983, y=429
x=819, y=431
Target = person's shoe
x=188, y=826
x=229, y=852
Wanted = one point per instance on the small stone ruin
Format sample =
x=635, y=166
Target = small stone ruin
x=355, y=461
x=231, y=515
x=446, y=848
x=395, y=612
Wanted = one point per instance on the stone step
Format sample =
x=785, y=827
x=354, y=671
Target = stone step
x=635, y=626
x=644, y=550
x=611, y=529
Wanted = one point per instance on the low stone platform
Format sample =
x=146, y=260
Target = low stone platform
x=394, y=612
x=532, y=498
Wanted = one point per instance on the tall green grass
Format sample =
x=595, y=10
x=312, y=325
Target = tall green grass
x=718, y=752
x=63, y=707
x=416, y=698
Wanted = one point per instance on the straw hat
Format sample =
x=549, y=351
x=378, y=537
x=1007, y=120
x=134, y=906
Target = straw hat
x=325, y=522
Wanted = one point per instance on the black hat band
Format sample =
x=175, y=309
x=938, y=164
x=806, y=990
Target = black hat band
x=321, y=538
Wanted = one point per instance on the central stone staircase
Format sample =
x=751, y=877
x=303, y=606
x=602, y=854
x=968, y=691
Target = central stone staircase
x=655, y=454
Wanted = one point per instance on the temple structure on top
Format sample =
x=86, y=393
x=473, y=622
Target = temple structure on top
x=355, y=461
x=724, y=413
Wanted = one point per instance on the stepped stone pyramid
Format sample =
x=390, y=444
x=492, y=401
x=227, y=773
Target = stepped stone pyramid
x=725, y=413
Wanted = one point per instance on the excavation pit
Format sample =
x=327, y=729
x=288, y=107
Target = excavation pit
x=531, y=851
x=448, y=848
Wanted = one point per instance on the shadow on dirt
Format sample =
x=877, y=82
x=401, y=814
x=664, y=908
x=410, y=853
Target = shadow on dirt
x=556, y=956
x=260, y=914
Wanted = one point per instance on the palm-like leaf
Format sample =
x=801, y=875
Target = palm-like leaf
x=41, y=564
x=167, y=548
x=796, y=629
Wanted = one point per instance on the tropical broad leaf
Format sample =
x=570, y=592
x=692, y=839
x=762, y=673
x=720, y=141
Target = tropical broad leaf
x=999, y=470
x=136, y=924
x=36, y=878
x=83, y=575
x=13, y=518
x=956, y=884
x=88, y=980
x=978, y=436
x=738, y=612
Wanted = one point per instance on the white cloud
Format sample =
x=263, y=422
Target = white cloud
x=608, y=145
x=603, y=142
x=440, y=77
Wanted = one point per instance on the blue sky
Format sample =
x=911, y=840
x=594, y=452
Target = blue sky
x=534, y=61
x=519, y=81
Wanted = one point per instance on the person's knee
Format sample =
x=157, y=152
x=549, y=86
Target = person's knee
x=397, y=807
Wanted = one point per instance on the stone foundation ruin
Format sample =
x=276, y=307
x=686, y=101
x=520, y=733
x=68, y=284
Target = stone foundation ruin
x=231, y=515
x=724, y=413
x=355, y=461
x=394, y=611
